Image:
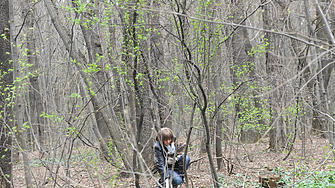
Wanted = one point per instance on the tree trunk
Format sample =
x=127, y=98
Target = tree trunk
x=271, y=16
x=6, y=115
x=219, y=127
x=18, y=108
x=94, y=49
x=159, y=86
x=324, y=31
x=243, y=65
x=91, y=83
x=35, y=101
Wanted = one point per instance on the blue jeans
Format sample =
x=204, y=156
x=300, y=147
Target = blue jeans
x=177, y=179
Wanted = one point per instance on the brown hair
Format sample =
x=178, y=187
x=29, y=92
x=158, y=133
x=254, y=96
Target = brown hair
x=164, y=134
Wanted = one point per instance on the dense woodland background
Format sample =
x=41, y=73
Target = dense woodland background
x=85, y=85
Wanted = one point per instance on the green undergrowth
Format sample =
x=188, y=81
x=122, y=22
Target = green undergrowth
x=312, y=179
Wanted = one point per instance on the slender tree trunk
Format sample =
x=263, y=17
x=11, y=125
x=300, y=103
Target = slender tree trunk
x=35, y=101
x=243, y=63
x=6, y=79
x=90, y=83
x=316, y=121
x=142, y=101
x=94, y=49
x=271, y=15
x=158, y=85
x=219, y=127
x=18, y=109
x=324, y=31
x=216, y=73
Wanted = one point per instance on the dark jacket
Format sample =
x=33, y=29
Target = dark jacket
x=160, y=158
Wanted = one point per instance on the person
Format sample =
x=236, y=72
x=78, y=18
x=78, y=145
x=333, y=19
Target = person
x=165, y=158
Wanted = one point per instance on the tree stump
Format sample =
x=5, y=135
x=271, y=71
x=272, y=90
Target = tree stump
x=268, y=179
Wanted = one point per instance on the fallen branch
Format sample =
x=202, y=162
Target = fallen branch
x=196, y=160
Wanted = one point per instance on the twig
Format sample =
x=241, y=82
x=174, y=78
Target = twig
x=325, y=22
x=196, y=160
x=219, y=106
x=4, y=176
x=24, y=20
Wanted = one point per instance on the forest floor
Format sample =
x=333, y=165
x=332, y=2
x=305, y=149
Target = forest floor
x=248, y=162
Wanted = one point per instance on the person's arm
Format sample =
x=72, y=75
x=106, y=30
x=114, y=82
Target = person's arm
x=160, y=161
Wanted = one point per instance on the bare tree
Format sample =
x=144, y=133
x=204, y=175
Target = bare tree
x=271, y=15
x=18, y=108
x=91, y=83
x=6, y=103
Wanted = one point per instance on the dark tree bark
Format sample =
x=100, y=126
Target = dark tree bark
x=158, y=85
x=271, y=15
x=6, y=82
x=243, y=65
x=137, y=68
x=35, y=100
x=325, y=31
x=195, y=85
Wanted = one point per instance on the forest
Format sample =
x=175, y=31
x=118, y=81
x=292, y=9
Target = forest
x=246, y=86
